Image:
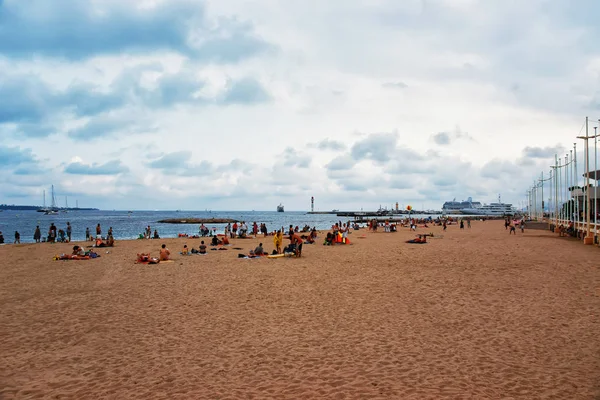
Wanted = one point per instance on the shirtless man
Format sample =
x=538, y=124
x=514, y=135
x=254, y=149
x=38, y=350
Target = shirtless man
x=297, y=240
x=164, y=253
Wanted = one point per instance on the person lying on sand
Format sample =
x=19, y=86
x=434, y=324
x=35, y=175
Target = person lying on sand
x=164, y=253
x=419, y=239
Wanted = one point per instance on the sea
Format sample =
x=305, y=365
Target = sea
x=129, y=225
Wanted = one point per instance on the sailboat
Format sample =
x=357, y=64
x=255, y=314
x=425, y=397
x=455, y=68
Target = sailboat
x=53, y=210
x=43, y=209
x=66, y=206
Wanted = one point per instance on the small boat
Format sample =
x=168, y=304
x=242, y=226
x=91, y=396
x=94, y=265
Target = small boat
x=280, y=208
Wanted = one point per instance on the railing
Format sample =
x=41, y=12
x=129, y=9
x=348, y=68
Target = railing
x=579, y=226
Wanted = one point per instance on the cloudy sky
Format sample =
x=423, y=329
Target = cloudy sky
x=240, y=105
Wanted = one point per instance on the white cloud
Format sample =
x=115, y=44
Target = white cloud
x=236, y=104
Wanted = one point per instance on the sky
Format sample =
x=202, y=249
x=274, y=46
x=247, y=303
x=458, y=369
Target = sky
x=242, y=105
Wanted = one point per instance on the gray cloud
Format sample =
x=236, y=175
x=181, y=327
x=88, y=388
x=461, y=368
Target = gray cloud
x=441, y=138
x=378, y=147
x=13, y=156
x=179, y=163
x=178, y=159
x=328, y=144
x=543, y=152
x=341, y=163
x=294, y=159
x=109, y=168
x=498, y=169
x=31, y=27
x=245, y=91
x=106, y=125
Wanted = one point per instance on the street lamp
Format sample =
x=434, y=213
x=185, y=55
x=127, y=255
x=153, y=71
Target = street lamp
x=588, y=237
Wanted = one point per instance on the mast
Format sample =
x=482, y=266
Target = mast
x=44, y=199
x=53, y=205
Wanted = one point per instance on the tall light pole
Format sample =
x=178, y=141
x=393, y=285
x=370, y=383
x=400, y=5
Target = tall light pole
x=575, y=181
x=588, y=237
x=595, y=182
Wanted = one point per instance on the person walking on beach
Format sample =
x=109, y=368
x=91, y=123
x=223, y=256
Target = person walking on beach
x=87, y=234
x=512, y=228
x=522, y=225
x=37, y=235
x=506, y=223
x=69, y=231
x=445, y=225
x=17, y=237
x=98, y=230
x=469, y=223
x=462, y=224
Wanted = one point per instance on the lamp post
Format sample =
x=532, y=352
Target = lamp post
x=596, y=179
x=588, y=239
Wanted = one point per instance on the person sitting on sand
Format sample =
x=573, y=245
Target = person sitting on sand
x=259, y=251
x=215, y=241
x=155, y=235
x=1, y=238
x=78, y=251
x=328, y=239
x=110, y=242
x=185, y=251
x=202, y=248
x=164, y=253
x=225, y=241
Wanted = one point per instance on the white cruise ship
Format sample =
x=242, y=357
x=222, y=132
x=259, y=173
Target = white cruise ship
x=455, y=207
x=492, y=209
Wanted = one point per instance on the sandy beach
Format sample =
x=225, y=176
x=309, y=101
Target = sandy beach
x=475, y=314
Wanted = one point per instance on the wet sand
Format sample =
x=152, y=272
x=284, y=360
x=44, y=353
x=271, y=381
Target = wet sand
x=475, y=314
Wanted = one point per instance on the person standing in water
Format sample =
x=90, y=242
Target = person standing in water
x=37, y=235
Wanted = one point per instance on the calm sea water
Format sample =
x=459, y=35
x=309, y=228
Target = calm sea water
x=129, y=225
